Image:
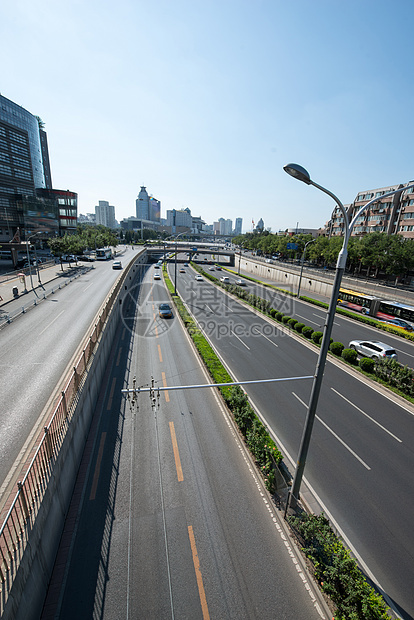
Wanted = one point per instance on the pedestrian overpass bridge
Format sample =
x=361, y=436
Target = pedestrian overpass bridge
x=218, y=253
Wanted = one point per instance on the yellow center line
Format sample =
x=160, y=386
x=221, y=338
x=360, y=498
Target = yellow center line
x=164, y=382
x=111, y=394
x=176, y=453
x=196, y=561
x=97, y=468
x=159, y=353
x=119, y=356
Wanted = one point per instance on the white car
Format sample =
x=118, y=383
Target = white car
x=240, y=282
x=157, y=276
x=373, y=348
x=225, y=279
x=199, y=278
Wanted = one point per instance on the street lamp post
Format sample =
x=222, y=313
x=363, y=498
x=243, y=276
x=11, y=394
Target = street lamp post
x=28, y=260
x=301, y=174
x=238, y=272
x=175, y=265
x=301, y=264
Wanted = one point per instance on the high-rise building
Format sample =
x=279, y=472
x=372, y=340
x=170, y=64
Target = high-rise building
x=238, y=226
x=179, y=218
x=27, y=202
x=105, y=214
x=147, y=207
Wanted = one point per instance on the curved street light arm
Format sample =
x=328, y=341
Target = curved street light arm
x=342, y=256
x=302, y=175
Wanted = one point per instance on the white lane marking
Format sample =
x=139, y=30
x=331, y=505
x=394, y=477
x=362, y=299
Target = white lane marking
x=208, y=308
x=243, y=343
x=405, y=353
x=306, y=319
x=263, y=336
x=335, y=435
x=51, y=323
x=89, y=285
x=368, y=416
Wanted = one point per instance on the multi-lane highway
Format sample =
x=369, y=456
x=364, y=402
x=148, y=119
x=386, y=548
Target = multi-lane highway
x=36, y=350
x=361, y=457
x=174, y=521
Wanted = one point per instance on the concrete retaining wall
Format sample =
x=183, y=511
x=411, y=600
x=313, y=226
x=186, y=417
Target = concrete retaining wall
x=287, y=278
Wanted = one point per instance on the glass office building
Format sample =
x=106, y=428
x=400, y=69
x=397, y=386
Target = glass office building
x=21, y=131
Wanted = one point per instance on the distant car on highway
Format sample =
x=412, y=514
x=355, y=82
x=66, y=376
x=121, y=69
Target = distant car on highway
x=225, y=280
x=398, y=323
x=165, y=312
x=157, y=276
x=373, y=348
x=199, y=278
x=117, y=264
x=182, y=270
x=240, y=282
x=218, y=268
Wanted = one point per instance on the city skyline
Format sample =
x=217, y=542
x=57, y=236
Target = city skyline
x=206, y=117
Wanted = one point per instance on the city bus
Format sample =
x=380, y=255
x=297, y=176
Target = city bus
x=103, y=254
x=375, y=307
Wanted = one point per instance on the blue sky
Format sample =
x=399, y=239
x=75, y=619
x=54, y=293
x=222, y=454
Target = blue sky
x=204, y=102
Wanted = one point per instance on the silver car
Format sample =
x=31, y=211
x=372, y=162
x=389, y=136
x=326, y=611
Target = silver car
x=373, y=348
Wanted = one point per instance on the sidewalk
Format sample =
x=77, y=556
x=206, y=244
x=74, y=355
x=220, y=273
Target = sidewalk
x=22, y=282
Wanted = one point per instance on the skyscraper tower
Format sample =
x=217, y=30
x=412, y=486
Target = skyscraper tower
x=142, y=205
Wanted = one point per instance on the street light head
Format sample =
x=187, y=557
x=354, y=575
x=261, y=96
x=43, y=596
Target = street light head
x=298, y=172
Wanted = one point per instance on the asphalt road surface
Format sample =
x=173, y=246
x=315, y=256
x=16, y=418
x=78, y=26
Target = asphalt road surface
x=361, y=457
x=173, y=520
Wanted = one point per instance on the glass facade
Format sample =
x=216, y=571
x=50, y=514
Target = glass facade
x=19, y=118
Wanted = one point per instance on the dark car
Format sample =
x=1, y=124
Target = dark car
x=164, y=310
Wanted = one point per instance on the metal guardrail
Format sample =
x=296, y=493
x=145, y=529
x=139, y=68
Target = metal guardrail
x=21, y=515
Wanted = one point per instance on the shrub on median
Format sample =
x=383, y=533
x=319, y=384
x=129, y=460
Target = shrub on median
x=336, y=348
x=336, y=571
x=367, y=364
x=350, y=355
x=317, y=337
x=307, y=332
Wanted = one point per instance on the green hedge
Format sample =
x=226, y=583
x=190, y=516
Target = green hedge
x=336, y=348
x=350, y=355
x=317, y=337
x=307, y=331
x=367, y=364
x=337, y=572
